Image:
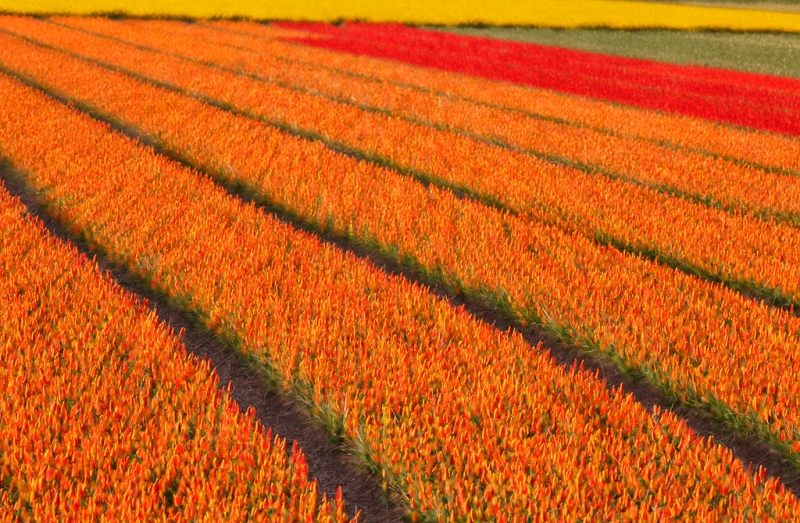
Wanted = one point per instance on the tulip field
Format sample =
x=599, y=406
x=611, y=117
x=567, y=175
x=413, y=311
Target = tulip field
x=332, y=203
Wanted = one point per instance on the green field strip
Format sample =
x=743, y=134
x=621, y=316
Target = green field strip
x=774, y=54
x=785, y=6
x=748, y=425
x=771, y=295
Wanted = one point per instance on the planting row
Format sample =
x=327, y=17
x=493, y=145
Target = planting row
x=770, y=150
x=105, y=418
x=746, y=253
x=489, y=171
x=649, y=318
x=720, y=182
x=709, y=82
x=469, y=423
x=742, y=251
x=598, y=69
x=576, y=72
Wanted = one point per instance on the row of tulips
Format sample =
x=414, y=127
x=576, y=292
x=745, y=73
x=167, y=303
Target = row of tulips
x=469, y=423
x=773, y=151
x=745, y=252
x=650, y=318
x=106, y=418
x=713, y=180
x=692, y=80
x=546, y=68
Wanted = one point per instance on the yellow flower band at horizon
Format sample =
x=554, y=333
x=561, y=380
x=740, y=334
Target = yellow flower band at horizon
x=543, y=13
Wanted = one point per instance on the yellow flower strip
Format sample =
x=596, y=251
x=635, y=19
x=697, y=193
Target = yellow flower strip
x=747, y=253
x=680, y=332
x=472, y=424
x=105, y=418
x=544, y=13
x=765, y=149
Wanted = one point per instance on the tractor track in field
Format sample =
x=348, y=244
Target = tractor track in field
x=751, y=451
x=328, y=463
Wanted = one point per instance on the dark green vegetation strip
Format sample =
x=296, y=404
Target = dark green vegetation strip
x=788, y=6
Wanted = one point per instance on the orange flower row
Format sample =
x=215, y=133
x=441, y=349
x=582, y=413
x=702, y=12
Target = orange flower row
x=105, y=418
x=718, y=181
x=766, y=149
x=472, y=424
x=652, y=319
x=743, y=251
